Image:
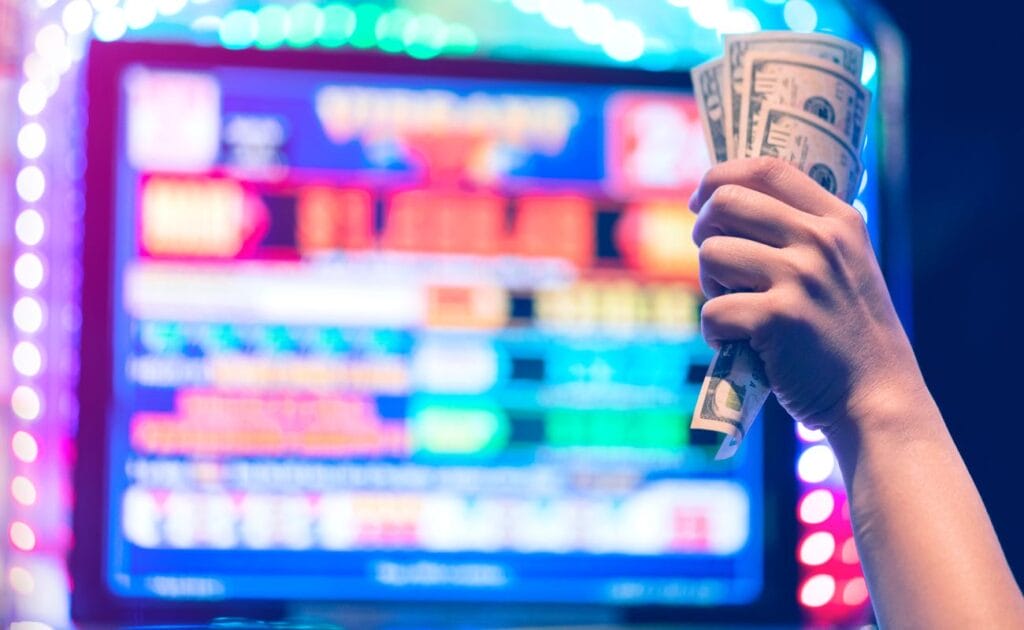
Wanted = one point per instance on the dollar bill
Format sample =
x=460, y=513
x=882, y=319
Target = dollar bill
x=783, y=72
x=820, y=88
x=731, y=395
x=846, y=55
x=813, y=146
x=707, y=84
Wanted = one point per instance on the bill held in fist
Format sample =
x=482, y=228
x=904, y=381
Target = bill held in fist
x=796, y=97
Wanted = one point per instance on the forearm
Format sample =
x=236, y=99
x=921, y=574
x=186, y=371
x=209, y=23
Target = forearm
x=928, y=549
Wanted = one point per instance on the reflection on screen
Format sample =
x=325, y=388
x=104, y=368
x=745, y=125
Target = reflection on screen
x=402, y=337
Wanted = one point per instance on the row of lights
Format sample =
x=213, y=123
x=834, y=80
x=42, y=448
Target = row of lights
x=592, y=23
x=832, y=587
x=364, y=26
x=51, y=53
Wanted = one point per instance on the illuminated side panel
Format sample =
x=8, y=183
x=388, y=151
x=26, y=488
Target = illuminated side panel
x=831, y=586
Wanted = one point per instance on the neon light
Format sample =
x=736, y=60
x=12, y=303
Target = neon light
x=809, y=435
x=624, y=41
x=22, y=583
x=817, y=506
x=22, y=536
x=195, y=217
x=334, y=219
x=238, y=29
x=817, y=548
x=430, y=221
x=23, y=490
x=24, y=446
x=339, y=25
x=277, y=424
x=139, y=14
x=557, y=227
x=31, y=183
x=31, y=140
x=816, y=464
x=305, y=23
x=25, y=403
x=523, y=123
x=27, y=358
x=28, y=270
x=481, y=307
x=32, y=98
x=593, y=23
x=77, y=16
x=272, y=26
x=109, y=24
x=30, y=227
x=459, y=430
x=27, y=315
x=817, y=590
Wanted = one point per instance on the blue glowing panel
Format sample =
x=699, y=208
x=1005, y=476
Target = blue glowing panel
x=396, y=337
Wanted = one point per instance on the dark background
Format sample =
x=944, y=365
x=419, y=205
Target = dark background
x=967, y=179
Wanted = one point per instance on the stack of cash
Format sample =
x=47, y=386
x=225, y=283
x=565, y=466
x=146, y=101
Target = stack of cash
x=793, y=96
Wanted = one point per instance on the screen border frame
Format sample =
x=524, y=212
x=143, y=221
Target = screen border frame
x=91, y=599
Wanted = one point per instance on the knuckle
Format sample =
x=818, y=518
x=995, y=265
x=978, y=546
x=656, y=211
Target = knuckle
x=710, y=249
x=725, y=197
x=769, y=170
x=828, y=235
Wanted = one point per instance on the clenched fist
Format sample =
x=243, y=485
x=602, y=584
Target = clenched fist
x=790, y=267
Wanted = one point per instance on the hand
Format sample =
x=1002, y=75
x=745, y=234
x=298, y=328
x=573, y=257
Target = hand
x=789, y=267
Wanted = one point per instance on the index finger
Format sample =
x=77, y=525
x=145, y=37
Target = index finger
x=773, y=177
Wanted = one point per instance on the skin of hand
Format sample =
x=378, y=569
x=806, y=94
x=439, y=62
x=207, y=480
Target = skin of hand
x=790, y=268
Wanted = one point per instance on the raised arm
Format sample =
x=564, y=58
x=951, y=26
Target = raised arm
x=790, y=268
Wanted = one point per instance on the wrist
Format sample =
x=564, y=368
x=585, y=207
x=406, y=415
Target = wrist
x=895, y=411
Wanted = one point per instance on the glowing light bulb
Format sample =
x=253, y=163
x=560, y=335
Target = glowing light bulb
x=24, y=446
x=77, y=16
x=31, y=140
x=29, y=227
x=817, y=591
x=27, y=315
x=816, y=464
x=22, y=536
x=139, y=14
x=27, y=358
x=809, y=435
x=817, y=548
x=592, y=23
x=800, y=16
x=23, y=490
x=32, y=98
x=25, y=403
x=110, y=24
x=624, y=42
x=817, y=506
x=28, y=270
x=30, y=184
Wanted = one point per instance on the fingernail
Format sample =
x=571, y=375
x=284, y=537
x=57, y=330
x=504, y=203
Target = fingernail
x=693, y=200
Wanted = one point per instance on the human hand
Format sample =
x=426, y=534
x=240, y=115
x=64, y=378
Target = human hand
x=789, y=267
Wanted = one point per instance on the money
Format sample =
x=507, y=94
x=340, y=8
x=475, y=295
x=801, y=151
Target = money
x=812, y=146
x=796, y=97
x=732, y=394
x=819, y=88
x=707, y=83
x=846, y=55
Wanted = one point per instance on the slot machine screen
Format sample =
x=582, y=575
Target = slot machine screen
x=372, y=329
